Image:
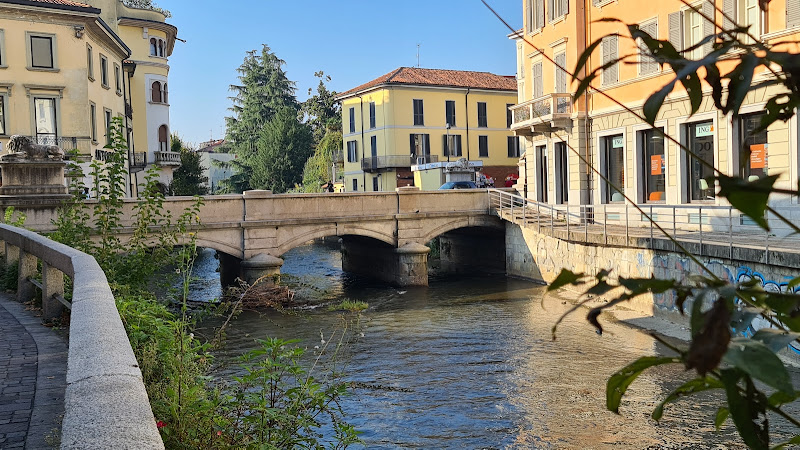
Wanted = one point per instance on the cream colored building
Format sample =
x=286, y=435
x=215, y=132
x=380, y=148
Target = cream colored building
x=404, y=120
x=649, y=169
x=68, y=68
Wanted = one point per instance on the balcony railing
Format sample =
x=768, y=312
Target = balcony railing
x=542, y=114
x=139, y=160
x=63, y=142
x=168, y=158
x=424, y=159
x=386, y=162
x=128, y=110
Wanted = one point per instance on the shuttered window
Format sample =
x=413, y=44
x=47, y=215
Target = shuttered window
x=561, y=74
x=352, y=120
x=708, y=26
x=483, y=146
x=352, y=151
x=610, y=74
x=529, y=15
x=538, y=88
x=556, y=9
x=647, y=64
x=482, y=119
x=450, y=112
x=729, y=13
x=675, y=23
x=418, y=113
x=453, y=148
x=792, y=13
x=372, y=114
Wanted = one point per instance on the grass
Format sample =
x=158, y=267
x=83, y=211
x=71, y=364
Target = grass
x=349, y=305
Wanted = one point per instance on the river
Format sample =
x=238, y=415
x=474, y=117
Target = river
x=470, y=363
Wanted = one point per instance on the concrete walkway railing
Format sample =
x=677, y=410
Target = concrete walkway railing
x=106, y=402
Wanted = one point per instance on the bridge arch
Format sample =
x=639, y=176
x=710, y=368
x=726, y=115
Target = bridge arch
x=332, y=230
x=222, y=247
x=463, y=222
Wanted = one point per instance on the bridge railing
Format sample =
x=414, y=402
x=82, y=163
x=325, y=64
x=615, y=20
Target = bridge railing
x=106, y=404
x=696, y=227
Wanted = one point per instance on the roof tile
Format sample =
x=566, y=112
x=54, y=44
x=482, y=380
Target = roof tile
x=62, y=3
x=439, y=77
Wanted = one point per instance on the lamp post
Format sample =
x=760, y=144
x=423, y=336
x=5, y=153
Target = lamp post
x=447, y=146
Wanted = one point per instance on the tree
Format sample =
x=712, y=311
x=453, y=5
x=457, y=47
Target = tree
x=147, y=4
x=188, y=179
x=318, y=167
x=264, y=93
x=322, y=112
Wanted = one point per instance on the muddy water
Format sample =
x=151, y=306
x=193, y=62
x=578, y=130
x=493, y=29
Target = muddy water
x=470, y=363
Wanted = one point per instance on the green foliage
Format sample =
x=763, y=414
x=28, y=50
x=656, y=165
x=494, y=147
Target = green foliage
x=147, y=4
x=317, y=170
x=9, y=276
x=349, y=305
x=322, y=112
x=187, y=179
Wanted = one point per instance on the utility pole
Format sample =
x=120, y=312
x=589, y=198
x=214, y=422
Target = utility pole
x=417, y=55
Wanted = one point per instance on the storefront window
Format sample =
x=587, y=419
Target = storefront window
x=613, y=151
x=700, y=180
x=753, y=149
x=654, y=165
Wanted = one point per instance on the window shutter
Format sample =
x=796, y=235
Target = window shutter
x=564, y=6
x=538, y=90
x=676, y=30
x=708, y=26
x=427, y=144
x=561, y=76
x=648, y=64
x=529, y=15
x=539, y=4
x=413, y=145
x=550, y=10
x=445, y=150
x=611, y=74
x=792, y=13
x=729, y=10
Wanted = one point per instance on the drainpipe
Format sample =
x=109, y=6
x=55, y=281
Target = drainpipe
x=582, y=45
x=466, y=105
x=363, y=148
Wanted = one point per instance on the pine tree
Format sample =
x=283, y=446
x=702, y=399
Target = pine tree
x=282, y=149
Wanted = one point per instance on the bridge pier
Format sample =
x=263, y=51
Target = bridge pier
x=261, y=266
x=472, y=251
x=405, y=266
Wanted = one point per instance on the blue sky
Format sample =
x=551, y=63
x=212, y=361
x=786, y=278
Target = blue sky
x=353, y=41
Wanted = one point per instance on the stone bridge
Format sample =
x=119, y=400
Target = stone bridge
x=384, y=234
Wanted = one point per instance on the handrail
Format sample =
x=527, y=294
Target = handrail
x=106, y=404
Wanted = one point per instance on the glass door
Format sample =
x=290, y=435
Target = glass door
x=700, y=179
x=45, y=117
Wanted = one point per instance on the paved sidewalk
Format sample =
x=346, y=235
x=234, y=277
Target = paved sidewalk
x=33, y=368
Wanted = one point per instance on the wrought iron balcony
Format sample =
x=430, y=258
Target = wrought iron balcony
x=168, y=158
x=128, y=110
x=548, y=113
x=386, y=162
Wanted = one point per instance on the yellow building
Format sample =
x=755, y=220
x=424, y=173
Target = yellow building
x=68, y=68
x=648, y=168
x=401, y=123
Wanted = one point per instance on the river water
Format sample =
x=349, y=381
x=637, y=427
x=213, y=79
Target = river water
x=470, y=363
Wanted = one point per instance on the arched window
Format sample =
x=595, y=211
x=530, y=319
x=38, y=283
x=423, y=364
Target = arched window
x=160, y=48
x=163, y=138
x=153, y=46
x=156, y=94
x=166, y=94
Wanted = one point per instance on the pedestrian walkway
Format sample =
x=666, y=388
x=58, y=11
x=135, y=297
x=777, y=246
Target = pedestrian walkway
x=33, y=368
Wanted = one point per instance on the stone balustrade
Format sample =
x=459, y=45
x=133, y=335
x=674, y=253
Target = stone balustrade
x=106, y=404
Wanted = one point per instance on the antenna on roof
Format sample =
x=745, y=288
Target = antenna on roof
x=418, y=55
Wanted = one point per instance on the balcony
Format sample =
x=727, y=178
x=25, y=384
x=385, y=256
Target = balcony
x=128, y=110
x=138, y=161
x=168, y=158
x=386, y=162
x=541, y=115
x=424, y=159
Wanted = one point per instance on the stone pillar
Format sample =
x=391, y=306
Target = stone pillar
x=412, y=265
x=262, y=268
x=27, y=269
x=52, y=287
x=12, y=254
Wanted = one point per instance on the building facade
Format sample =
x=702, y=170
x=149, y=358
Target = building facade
x=412, y=118
x=68, y=68
x=558, y=135
x=215, y=164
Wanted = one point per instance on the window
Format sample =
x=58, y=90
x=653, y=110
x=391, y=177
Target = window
x=452, y=148
x=687, y=28
x=46, y=120
x=352, y=120
x=93, y=120
x=561, y=74
x=373, y=145
x=753, y=148
x=352, y=151
x=482, y=120
x=450, y=112
x=610, y=74
x=483, y=146
x=513, y=147
x=746, y=13
x=355, y=184
x=2, y=115
x=104, y=71
x=41, y=50
x=556, y=9
x=541, y=172
x=647, y=63
x=538, y=86
x=614, y=158
x=372, y=115
x=700, y=177
x=654, y=165
x=118, y=79
x=157, y=47
x=375, y=186
x=107, y=117
x=509, y=115
x=421, y=148
x=165, y=93
x=90, y=61
x=2, y=49
x=163, y=138
x=562, y=173
x=534, y=14
x=792, y=14
x=418, y=113
x=156, y=96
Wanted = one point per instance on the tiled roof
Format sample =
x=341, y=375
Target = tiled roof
x=66, y=4
x=439, y=77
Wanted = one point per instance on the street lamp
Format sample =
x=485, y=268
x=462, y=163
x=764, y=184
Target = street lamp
x=447, y=145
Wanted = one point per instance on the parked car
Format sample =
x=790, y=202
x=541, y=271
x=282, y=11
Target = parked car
x=459, y=185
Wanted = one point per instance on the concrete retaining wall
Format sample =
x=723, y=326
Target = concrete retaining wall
x=106, y=402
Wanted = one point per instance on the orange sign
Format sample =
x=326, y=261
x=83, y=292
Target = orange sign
x=758, y=156
x=656, y=164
